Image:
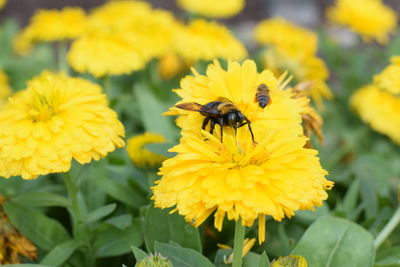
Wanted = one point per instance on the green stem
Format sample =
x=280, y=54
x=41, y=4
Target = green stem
x=79, y=228
x=107, y=87
x=388, y=229
x=238, y=243
x=62, y=49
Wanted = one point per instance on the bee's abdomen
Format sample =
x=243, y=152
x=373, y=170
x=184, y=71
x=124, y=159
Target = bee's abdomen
x=263, y=100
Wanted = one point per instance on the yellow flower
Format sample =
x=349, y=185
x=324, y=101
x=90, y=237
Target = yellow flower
x=213, y=9
x=105, y=54
x=288, y=38
x=13, y=244
x=204, y=40
x=238, y=178
x=170, y=65
x=152, y=30
x=56, y=119
x=389, y=78
x=290, y=261
x=307, y=69
x=380, y=109
x=2, y=3
x=51, y=25
x=141, y=156
x=369, y=18
x=5, y=90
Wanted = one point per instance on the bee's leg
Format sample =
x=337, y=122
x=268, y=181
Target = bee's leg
x=205, y=122
x=212, y=123
x=221, y=124
x=251, y=131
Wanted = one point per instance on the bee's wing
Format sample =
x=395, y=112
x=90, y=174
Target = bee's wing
x=193, y=106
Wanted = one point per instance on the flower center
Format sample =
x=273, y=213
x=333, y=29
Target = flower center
x=41, y=109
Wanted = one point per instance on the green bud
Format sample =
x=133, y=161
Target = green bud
x=156, y=260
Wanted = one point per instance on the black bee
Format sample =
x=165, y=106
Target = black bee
x=222, y=112
x=262, y=96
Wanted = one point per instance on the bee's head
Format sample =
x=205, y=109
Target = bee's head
x=235, y=119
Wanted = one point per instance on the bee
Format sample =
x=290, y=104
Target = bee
x=262, y=96
x=222, y=112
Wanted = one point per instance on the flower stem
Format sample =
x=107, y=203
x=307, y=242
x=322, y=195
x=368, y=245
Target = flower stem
x=62, y=48
x=238, y=243
x=388, y=229
x=79, y=227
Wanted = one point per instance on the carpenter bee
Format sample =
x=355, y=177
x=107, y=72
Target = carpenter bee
x=262, y=96
x=222, y=112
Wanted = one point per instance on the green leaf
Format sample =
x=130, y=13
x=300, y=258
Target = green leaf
x=123, y=193
x=26, y=265
x=221, y=255
x=332, y=242
x=151, y=109
x=139, y=254
x=161, y=149
x=100, y=213
x=43, y=231
x=388, y=257
x=58, y=255
x=112, y=241
x=40, y=199
x=121, y=221
x=264, y=261
x=182, y=257
x=251, y=259
x=161, y=226
x=309, y=216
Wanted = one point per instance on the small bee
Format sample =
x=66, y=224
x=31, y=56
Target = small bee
x=262, y=96
x=222, y=112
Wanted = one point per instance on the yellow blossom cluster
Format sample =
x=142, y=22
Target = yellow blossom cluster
x=212, y=8
x=114, y=39
x=292, y=48
x=56, y=119
x=2, y=3
x=369, y=18
x=378, y=104
x=238, y=178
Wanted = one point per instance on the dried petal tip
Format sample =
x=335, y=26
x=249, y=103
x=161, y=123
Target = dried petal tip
x=156, y=260
x=290, y=261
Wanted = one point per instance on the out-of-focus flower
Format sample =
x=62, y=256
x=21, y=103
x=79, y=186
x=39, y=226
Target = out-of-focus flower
x=380, y=109
x=206, y=40
x=56, y=119
x=369, y=18
x=289, y=39
x=13, y=244
x=156, y=260
x=213, y=9
x=170, y=65
x=290, y=261
x=309, y=69
x=51, y=25
x=153, y=30
x=141, y=156
x=2, y=3
x=105, y=54
x=238, y=178
x=5, y=90
x=389, y=78
x=247, y=245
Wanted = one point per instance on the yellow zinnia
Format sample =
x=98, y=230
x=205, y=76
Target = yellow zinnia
x=308, y=69
x=142, y=157
x=289, y=39
x=389, y=78
x=380, y=109
x=56, y=119
x=51, y=25
x=212, y=8
x=170, y=65
x=5, y=90
x=238, y=178
x=105, y=54
x=369, y=18
x=205, y=40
